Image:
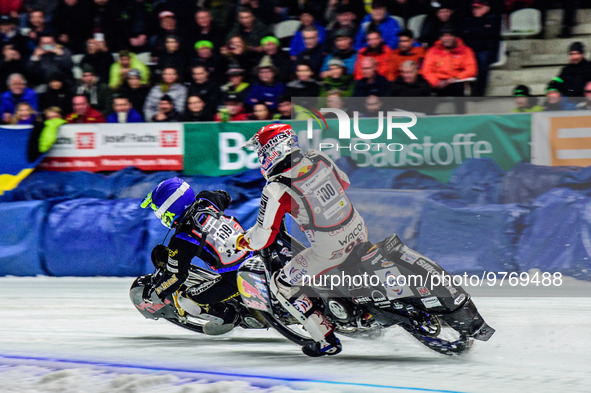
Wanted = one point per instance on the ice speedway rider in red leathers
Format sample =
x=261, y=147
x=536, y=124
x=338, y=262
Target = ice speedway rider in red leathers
x=193, y=219
x=311, y=188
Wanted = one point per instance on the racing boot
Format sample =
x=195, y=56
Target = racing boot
x=330, y=346
x=319, y=328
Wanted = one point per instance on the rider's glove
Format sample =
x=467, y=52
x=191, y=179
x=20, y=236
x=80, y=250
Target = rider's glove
x=159, y=256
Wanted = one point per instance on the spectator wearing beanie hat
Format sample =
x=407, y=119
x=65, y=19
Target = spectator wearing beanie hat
x=524, y=100
x=379, y=19
x=555, y=100
x=338, y=79
x=342, y=49
x=236, y=82
x=213, y=63
x=57, y=94
x=280, y=59
x=442, y=12
x=134, y=89
x=166, y=111
x=267, y=90
x=232, y=110
x=577, y=73
x=344, y=19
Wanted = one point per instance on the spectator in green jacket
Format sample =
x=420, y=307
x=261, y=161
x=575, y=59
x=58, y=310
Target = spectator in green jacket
x=524, y=100
x=126, y=62
x=338, y=79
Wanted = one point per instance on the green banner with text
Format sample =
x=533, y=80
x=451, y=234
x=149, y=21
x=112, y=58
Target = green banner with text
x=442, y=143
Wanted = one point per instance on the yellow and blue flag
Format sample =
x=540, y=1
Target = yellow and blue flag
x=18, y=155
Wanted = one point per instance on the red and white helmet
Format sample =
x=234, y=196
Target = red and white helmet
x=273, y=143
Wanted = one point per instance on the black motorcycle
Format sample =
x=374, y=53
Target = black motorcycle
x=152, y=307
x=443, y=317
x=436, y=312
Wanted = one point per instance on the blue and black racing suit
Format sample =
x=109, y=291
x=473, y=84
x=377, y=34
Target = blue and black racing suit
x=204, y=218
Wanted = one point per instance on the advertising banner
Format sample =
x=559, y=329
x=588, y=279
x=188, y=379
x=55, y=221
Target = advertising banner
x=561, y=138
x=110, y=147
x=215, y=149
x=442, y=144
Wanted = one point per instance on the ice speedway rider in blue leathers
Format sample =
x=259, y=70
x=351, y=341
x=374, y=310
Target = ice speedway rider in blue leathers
x=194, y=218
x=311, y=188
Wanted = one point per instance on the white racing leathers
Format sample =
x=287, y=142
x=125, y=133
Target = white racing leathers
x=312, y=191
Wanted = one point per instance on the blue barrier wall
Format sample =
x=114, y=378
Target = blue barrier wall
x=470, y=238
x=91, y=224
x=557, y=236
x=20, y=238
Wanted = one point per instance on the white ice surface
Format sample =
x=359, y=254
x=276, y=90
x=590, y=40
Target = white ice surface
x=84, y=335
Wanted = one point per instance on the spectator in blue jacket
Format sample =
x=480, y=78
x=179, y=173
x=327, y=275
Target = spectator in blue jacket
x=267, y=90
x=555, y=99
x=17, y=92
x=314, y=52
x=297, y=45
x=381, y=20
x=123, y=112
x=343, y=50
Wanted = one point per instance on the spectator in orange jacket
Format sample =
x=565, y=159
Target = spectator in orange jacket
x=406, y=52
x=83, y=113
x=380, y=52
x=447, y=63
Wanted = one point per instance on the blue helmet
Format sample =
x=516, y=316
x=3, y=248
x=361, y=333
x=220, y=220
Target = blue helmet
x=169, y=200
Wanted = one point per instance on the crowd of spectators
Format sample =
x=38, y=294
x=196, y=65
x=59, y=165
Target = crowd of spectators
x=187, y=60
x=564, y=91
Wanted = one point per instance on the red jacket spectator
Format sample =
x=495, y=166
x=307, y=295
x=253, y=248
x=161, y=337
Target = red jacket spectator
x=83, y=113
x=11, y=7
x=442, y=63
x=415, y=53
x=383, y=58
x=92, y=116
